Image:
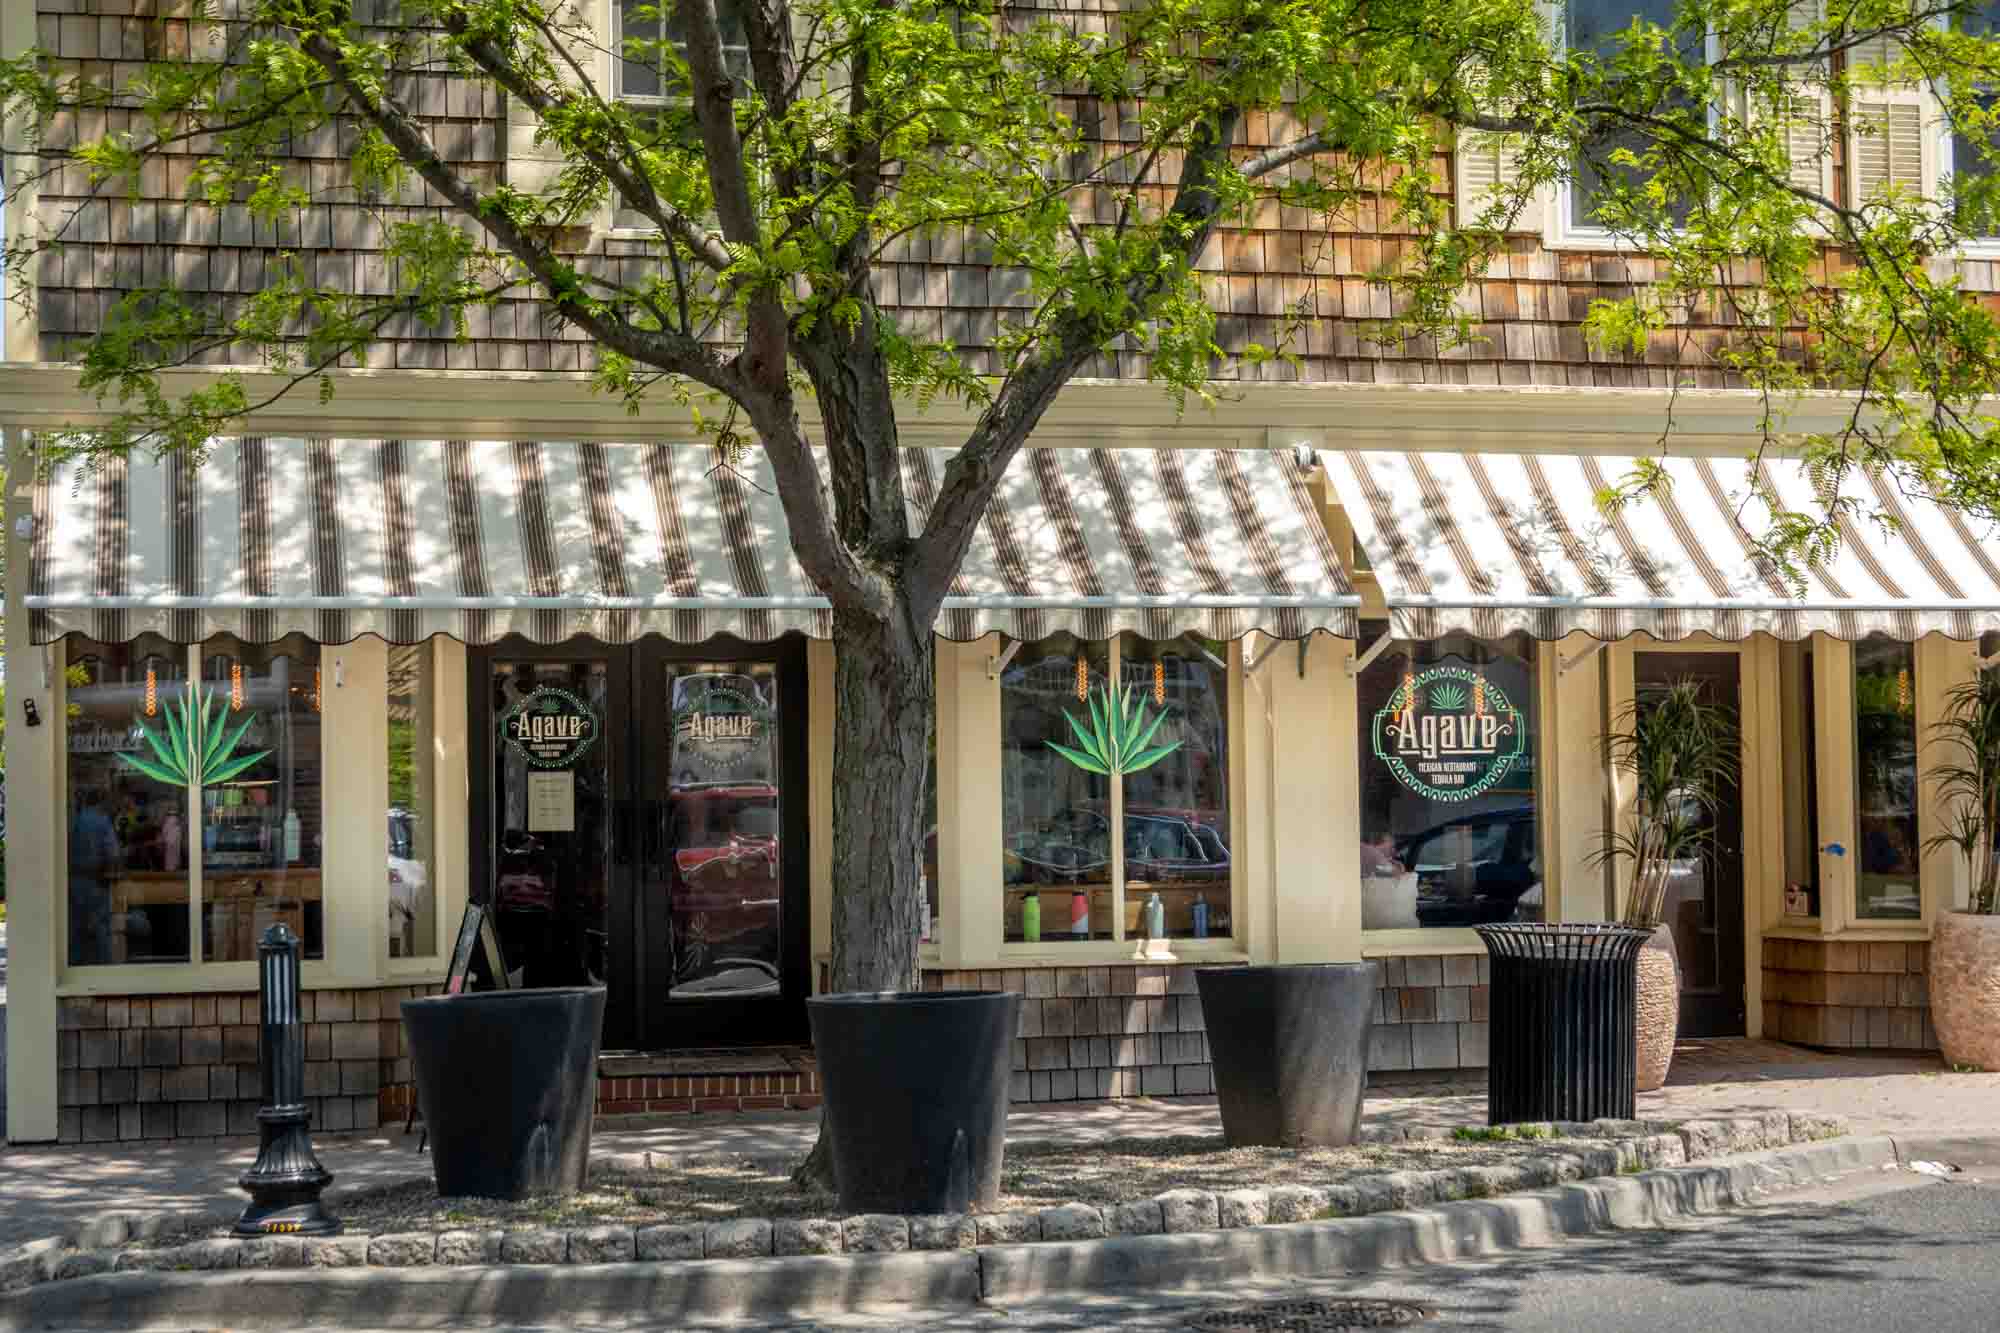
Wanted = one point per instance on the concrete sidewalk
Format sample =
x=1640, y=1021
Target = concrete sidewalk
x=45, y=1189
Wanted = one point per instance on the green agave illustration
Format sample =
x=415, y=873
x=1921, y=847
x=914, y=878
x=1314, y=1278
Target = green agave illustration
x=198, y=749
x=1448, y=696
x=1117, y=739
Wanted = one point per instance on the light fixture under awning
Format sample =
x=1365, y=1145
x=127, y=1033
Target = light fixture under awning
x=1496, y=543
x=481, y=539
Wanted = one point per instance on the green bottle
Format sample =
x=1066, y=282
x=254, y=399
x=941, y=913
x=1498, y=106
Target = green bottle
x=1031, y=916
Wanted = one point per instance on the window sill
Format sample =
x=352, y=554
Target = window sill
x=1101, y=953
x=1905, y=933
x=1419, y=941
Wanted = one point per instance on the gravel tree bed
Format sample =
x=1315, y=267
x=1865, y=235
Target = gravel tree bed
x=1035, y=1176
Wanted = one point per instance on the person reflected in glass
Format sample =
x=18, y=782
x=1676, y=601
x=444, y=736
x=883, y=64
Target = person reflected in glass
x=93, y=859
x=1378, y=854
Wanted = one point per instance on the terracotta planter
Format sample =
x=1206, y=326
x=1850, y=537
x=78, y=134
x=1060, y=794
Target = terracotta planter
x=1965, y=988
x=1659, y=1008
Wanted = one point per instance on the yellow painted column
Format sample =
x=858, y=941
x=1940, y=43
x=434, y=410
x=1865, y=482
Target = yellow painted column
x=1315, y=801
x=1252, y=842
x=354, y=795
x=1575, y=793
x=19, y=340
x=1763, y=797
x=37, y=825
x=1943, y=665
x=970, y=897
x=451, y=817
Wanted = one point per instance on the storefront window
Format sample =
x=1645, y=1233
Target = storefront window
x=260, y=808
x=128, y=818
x=1885, y=780
x=1801, y=767
x=1056, y=816
x=1448, y=767
x=412, y=804
x=1176, y=810
x=1067, y=877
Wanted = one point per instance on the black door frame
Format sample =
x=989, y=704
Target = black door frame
x=1722, y=1012
x=635, y=1016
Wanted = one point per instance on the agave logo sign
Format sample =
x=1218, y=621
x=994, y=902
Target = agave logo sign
x=551, y=727
x=1448, y=733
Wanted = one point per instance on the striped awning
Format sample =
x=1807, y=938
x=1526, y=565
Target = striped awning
x=1493, y=543
x=480, y=539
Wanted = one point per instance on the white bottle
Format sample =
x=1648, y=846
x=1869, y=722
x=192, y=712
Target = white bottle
x=291, y=836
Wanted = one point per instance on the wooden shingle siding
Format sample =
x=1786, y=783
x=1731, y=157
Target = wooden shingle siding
x=1281, y=270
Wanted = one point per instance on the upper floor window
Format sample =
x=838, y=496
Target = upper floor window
x=643, y=26
x=1973, y=147
x=1595, y=26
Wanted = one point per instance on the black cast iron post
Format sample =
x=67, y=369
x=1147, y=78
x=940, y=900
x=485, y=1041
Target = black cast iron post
x=285, y=1183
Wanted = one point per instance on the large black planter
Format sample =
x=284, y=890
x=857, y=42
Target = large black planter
x=1563, y=1004
x=915, y=1089
x=507, y=1082
x=1289, y=1048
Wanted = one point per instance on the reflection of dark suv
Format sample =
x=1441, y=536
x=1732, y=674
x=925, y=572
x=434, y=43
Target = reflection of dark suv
x=1476, y=869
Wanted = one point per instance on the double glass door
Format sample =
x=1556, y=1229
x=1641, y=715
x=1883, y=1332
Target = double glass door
x=643, y=826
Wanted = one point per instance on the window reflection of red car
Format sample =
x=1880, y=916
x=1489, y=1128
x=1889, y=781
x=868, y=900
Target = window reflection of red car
x=724, y=895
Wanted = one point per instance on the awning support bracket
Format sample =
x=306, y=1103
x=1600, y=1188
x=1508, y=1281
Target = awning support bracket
x=996, y=665
x=1982, y=663
x=1357, y=665
x=1565, y=665
x=1258, y=659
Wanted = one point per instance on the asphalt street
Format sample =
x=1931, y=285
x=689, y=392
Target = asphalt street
x=1889, y=1252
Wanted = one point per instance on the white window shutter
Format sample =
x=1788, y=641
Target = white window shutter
x=1888, y=148
x=1807, y=147
x=1876, y=52
x=1484, y=164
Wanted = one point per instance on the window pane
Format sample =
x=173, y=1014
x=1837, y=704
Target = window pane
x=260, y=836
x=1885, y=780
x=1177, y=810
x=128, y=826
x=1801, y=759
x=412, y=804
x=1448, y=750
x=1056, y=816
x=638, y=72
x=1595, y=25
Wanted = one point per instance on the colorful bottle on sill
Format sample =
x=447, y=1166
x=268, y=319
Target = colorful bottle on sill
x=1031, y=916
x=1079, y=914
x=292, y=838
x=1156, y=918
x=1201, y=916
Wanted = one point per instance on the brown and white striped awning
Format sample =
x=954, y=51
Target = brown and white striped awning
x=1493, y=543
x=480, y=539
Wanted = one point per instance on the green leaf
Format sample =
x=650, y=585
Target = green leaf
x=1082, y=761
x=152, y=770
x=231, y=767
x=1148, y=758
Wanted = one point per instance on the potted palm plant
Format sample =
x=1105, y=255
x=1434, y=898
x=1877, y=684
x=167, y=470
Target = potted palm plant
x=1683, y=753
x=1965, y=945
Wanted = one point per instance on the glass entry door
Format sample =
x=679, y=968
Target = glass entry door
x=642, y=825
x=1704, y=900
x=722, y=749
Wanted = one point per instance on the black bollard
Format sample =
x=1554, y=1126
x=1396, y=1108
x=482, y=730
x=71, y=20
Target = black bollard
x=285, y=1184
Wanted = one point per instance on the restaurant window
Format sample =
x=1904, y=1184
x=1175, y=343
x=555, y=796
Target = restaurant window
x=260, y=809
x=1885, y=781
x=1596, y=26
x=1801, y=773
x=167, y=783
x=1084, y=859
x=127, y=813
x=1449, y=743
x=412, y=868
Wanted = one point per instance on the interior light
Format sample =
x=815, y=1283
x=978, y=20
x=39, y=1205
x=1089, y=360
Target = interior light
x=1159, y=684
x=1082, y=679
x=236, y=686
x=152, y=690
x=1903, y=690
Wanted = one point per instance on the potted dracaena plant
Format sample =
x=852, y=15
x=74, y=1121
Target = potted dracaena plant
x=1964, y=972
x=1288, y=1044
x=1683, y=753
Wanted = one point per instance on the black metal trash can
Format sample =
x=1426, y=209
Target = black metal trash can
x=1562, y=1006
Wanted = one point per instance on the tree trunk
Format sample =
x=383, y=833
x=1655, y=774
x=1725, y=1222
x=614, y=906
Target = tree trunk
x=885, y=697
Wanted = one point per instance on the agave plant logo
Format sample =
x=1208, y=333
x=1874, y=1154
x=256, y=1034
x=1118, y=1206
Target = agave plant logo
x=1449, y=733
x=1118, y=739
x=198, y=748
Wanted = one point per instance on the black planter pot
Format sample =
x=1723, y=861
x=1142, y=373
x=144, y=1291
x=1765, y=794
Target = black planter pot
x=1563, y=1006
x=507, y=1082
x=915, y=1096
x=1289, y=1048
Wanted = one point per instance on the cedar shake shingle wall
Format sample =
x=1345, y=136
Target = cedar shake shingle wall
x=1527, y=310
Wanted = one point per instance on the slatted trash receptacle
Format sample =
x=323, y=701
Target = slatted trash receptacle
x=1562, y=1007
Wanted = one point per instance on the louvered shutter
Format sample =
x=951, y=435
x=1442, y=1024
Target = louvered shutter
x=1889, y=148
x=1877, y=53
x=1808, y=115
x=1484, y=164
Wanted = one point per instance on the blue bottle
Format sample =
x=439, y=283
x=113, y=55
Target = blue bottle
x=1201, y=916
